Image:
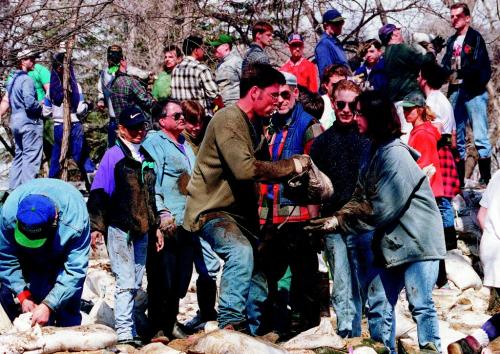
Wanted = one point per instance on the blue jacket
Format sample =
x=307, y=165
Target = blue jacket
x=22, y=97
x=63, y=261
x=329, y=51
x=173, y=168
x=394, y=198
x=377, y=77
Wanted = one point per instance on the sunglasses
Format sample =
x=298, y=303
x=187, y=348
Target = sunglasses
x=176, y=116
x=286, y=95
x=352, y=105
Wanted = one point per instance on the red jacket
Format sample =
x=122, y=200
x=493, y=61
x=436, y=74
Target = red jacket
x=424, y=138
x=305, y=72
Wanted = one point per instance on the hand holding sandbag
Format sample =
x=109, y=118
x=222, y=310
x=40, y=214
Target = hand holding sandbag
x=328, y=224
x=309, y=187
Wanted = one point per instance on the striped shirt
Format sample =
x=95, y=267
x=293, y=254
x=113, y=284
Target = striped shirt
x=192, y=80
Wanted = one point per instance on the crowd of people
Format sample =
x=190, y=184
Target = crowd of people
x=199, y=170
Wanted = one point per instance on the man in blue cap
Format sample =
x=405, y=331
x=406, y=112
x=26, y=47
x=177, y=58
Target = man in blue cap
x=44, y=251
x=329, y=50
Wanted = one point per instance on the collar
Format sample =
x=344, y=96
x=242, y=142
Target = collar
x=296, y=64
x=190, y=58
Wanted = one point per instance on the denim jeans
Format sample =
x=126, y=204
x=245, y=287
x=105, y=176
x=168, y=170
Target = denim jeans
x=207, y=263
x=446, y=211
x=418, y=278
x=28, y=139
x=475, y=109
x=239, y=285
x=356, y=283
x=127, y=254
x=77, y=147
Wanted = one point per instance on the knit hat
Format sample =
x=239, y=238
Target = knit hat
x=36, y=214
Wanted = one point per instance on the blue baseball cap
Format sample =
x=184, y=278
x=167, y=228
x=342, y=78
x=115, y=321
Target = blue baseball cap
x=385, y=32
x=295, y=38
x=332, y=15
x=35, y=216
x=131, y=116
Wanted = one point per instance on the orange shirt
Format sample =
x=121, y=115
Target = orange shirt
x=305, y=72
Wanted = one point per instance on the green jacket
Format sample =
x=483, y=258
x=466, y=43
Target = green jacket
x=161, y=87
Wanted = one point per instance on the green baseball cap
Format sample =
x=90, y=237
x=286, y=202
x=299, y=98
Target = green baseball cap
x=221, y=39
x=413, y=99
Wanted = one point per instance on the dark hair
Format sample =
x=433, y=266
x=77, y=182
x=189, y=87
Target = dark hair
x=312, y=102
x=461, y=5
x=158, y=110
x=334, y=69
x=172, y=48
x=260, y=75
x=191, y=43
x=434, y=74
x=366, y=45
x=380, y=114
x=193, y=111
x=261, y=27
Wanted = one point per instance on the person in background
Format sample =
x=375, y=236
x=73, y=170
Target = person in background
x=44, y=252
x=394, y=199
x=122, y=206
x=262, y=37
x=196, y=123
x=329, y=50
x=467, y=57
x=331, y=76
x=228, y=71
x=373, y=69
x=172, y=56
x=169, y=270
x=25, y=122
x=53, y=107
x=305, y=71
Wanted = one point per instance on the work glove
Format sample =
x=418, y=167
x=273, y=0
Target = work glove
x=328, y=224
x=302, y=163
x=167, y=223
x=438, y=43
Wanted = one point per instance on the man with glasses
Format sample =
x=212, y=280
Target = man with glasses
x=169, y=270
x=222, y=202
x=305, y=71
x=25, y=121
x=291, y=131
x=338, y=153
x=467, y=57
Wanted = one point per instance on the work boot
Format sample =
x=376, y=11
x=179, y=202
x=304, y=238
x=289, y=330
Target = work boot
x=461, y=172
x=324, y=294
x=484, y=170
x=206, y=293
x=467, y=345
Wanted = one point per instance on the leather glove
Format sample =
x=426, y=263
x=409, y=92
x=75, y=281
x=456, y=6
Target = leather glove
x=323, y=224
x=438, y=44
x=167, y=223
x=302, y=163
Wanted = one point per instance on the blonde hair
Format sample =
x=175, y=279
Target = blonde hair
x=426, y=113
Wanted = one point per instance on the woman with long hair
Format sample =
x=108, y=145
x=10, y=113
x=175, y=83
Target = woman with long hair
x=393, y=197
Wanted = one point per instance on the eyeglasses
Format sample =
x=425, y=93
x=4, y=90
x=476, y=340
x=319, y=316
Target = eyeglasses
x=176, y=116
x=352, y=105
x=274, y=95
x=285, y=95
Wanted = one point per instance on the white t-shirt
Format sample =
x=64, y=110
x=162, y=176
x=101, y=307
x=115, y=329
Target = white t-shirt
x=328, y=116
x=489, y=249
x=456, y=63
x=440, y=105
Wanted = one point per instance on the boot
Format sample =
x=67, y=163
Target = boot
x=461, y=172
x=324, y=294
x=450, y=238
x=207, y=294
x=484, y=169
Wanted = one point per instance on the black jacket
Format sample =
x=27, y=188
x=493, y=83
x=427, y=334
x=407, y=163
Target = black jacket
x=476, y=68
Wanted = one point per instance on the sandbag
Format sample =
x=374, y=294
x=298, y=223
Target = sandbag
x=158, y=348
x=459, y=270
x=312, y=186
x=323, y=335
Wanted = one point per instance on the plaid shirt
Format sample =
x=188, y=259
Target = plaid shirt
x=126, y=91
x=192, y=80
x=270, y=192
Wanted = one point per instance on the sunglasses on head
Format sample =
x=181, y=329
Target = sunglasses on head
x=341, y=105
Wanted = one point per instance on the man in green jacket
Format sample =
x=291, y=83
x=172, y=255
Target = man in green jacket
x=161, y=87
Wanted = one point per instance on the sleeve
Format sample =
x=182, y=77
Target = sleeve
x=490, y=192
x=322, y=56
x=478, y=69
x=153, y=150
x=70, y=280
x=47, y=106
x=31, y=103
x=395, y=183
x=144, y=99
x=209, y=85
x=313, y=79
x=11, y=274
x=424, y=144
x=312, y=132
x=44, y=75
x=100, y=93
x=83, y=107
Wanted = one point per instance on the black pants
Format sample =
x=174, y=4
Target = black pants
x=169, y=272
x=290, y=246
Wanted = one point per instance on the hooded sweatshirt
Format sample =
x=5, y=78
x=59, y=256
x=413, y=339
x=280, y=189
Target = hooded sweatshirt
x=424, y=139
